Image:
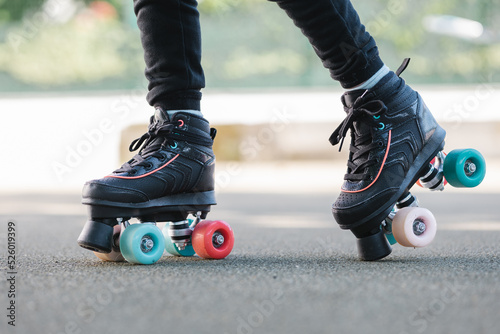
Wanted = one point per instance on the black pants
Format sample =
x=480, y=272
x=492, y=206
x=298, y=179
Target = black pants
x=171, y=38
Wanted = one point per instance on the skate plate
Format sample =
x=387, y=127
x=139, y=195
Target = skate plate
x=410, y=225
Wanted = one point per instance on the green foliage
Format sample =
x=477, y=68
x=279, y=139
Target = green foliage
x=70, y=53
x=14, y=10
x=246, y=43
x=222, y=6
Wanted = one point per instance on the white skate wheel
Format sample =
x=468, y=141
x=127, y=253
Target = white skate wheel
x=414, y=227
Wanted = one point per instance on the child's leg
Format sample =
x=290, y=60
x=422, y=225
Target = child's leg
x=338, y=37
x=393, y=134
x=171, y=39
x=172, y=175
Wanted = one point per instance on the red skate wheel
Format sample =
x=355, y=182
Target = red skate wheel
x=212, y=239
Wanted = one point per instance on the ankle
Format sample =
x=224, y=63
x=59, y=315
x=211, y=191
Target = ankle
x=171, y=113
x=372, y=81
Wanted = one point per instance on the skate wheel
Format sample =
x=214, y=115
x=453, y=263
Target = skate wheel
x=142, y=243
x=212, y=239
x=414, y=227
x=390, y=238
x=464, y=168
x=172, y=248
x=116, y=254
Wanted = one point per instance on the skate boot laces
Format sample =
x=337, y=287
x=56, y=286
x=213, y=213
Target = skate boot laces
x=162, y=136
x=363, y=119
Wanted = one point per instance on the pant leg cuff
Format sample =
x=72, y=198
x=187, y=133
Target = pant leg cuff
x=186, y=100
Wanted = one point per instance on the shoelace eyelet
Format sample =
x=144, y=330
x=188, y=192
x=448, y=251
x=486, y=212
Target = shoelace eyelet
x=376, y=117
x=381, y=126
x=133, y=172
x=181, y=123
x=174, y=146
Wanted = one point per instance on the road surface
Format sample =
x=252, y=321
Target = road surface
x=292, y=271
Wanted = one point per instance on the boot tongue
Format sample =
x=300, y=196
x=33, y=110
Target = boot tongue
x=348, y=99
x=160, y=116
x=360, y=126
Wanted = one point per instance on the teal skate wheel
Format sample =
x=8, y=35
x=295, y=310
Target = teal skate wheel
x=464, y=168
x=142, y=243
x=172, y=248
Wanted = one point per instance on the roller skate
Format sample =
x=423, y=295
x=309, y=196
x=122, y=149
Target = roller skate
x=412, y=226
x=170, y=180
x=394, y=138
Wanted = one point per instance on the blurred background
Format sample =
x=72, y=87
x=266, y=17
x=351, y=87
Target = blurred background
x=72, y=91
x=75, y=45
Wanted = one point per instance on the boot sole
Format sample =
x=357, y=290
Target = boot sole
x=167, y=208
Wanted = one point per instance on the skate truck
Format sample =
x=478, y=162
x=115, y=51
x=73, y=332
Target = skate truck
x=113, y=238
x=412, y=226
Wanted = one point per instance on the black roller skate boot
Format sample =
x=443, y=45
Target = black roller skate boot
x=171, y=177
x=393, y=138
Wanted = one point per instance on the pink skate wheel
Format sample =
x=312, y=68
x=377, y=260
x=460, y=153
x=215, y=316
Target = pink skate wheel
x=414, y=227
x=115, y=255
x=212, y=239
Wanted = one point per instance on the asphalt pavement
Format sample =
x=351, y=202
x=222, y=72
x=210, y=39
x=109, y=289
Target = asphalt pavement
x=292, y=270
